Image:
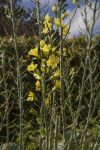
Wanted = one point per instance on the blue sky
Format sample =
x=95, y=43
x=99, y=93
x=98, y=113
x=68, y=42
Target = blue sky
x=77, y=22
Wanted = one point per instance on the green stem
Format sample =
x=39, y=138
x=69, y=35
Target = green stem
x=43, y=107
x=7, y=102
x=45, y=110
x=61, y=79
x=86, y=62
x=91, y=74
x=38, y=17
x=56, y=134
x=51, y=130
x=19, y=80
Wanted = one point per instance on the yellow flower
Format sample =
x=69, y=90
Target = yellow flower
x=53, y=49
x=58, y=53
x=31, y=67
x=53, y=61
x=46, y=49
x=45, y=30
x=54, y=8
x=65, y=14
x=43, y=62
x=34, y=52
x=64, y=49
x=42, y=43
x=38, y=88
x=65, y=30
x=47, y=18
x=57, y=21
x=30, y=96
x=48, y=100
x=57, y=73
x=42, y=69
x=38, y=84
x=43, y=65
x=58, y=84
x=63, y=25
x=74, y=1
x=37, y=76
x=47, y=70
x=47, y=24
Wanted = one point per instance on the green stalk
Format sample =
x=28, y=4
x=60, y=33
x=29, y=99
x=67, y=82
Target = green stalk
x=45, y=110
x=73, y=116
x=43, y=82
x=19, y=80
x=53, y=111
x=38, y=21
x=86, y=62
x=38, y=17
x=43, y=107
x=91, y=74
x=56, y=134
x=61, y=79
x=7, y=103
x=51, y=129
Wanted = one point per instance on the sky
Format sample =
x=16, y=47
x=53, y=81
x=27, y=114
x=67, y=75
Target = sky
x=77, y=22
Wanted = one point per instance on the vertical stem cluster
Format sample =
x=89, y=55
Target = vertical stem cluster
x=43, y=106
x=39, y=28
x=75, y=93
x=19, y=80
x=86, y=62
x=45, y=111
x=61, y=77
x=7, y=102
x=90, y=66
x=38, y=17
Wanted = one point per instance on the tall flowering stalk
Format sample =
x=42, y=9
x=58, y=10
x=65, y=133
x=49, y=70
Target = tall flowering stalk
x=49, y=52
x=62, y=75
x=48, y=62
x=19, y=79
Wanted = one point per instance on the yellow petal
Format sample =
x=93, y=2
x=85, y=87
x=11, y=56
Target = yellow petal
x=31, y=67
x=54, y=8
x=30, y=96
x=34, y=52
x=37, y=76
x=47, y=18
x=38, y=84
x=57, y=73
x=42, y=43
x=53, y=61
x=58, y=84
